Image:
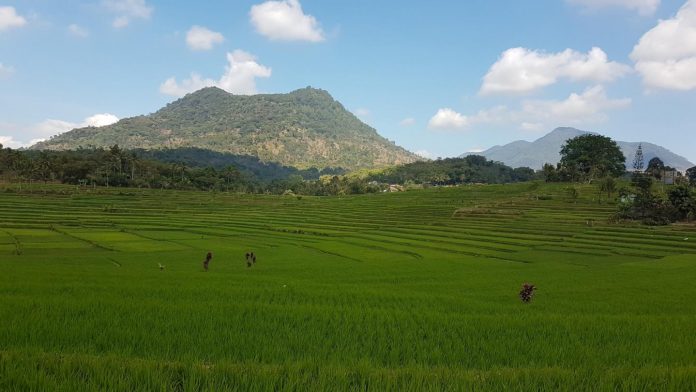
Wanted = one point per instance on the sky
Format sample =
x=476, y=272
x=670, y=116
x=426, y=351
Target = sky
x=439, y=78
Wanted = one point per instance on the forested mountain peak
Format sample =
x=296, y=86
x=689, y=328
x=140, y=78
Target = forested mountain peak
x=303, y=128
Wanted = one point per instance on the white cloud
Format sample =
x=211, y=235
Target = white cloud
x=476, y=150
x=425, y=154
x=521, y=70
x=127, y=10
x=644, y=7
x=589, y=107
x=201, y=38
x=52, y=127
x=241, y=73
x=532, y=126
x=176, y=89
x=120, y=22
x=666, y=55
x=10, y=19
x=362, y=112
x=8, y=141
x=284, y=20
x=47, y=128
x=239, y=77
x=407, y=122
x=78, y=31
x=100, y=120
x=5, y=71
x=448, y=119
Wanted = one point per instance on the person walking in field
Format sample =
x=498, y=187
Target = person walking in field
x=208, y=257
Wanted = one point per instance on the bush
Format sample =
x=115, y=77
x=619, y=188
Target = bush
x=683, y=202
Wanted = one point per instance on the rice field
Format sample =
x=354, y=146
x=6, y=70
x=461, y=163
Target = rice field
x=402, y=292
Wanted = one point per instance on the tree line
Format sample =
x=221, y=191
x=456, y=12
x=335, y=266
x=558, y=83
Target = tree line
x=453, y=171
x=191, y=168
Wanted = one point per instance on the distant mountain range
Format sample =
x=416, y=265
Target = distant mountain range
x=304, y=128
x=547, y=150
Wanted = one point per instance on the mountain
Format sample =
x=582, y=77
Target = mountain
x=304, y=128
x=547, y=150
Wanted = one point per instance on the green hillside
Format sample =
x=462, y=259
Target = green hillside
x=305, y=128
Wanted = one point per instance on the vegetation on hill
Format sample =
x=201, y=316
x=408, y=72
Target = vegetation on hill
x=186, y=168
x=305, y=128
x=192, y=168
x=452, y=171
x=588, y=157
x=250, y=166
x=653, y=205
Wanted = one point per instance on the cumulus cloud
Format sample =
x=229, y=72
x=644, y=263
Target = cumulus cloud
x=239, y=77
x=589, y=107
x=9, y=141
x=284, y=20
x=201, y=38
x=643, y=7
x=532, y=126
x=521, y=70
x=127, y=10
x=448, y=119
x=5, y=71
x=100, y=120
x=407, y=122
x=665, y=56
x=78, y=31
x=10, y=19
x=52, y=127
x=176, y=89
x=39, y=132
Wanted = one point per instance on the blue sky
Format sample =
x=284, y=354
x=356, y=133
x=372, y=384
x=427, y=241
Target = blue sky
x=438, y=77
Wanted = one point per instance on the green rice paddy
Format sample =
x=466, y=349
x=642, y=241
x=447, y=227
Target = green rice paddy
x=403, y=291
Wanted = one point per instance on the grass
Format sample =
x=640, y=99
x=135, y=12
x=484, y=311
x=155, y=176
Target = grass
x=408, y=291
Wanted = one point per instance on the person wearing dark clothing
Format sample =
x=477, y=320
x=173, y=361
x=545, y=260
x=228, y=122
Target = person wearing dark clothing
x=208, y=257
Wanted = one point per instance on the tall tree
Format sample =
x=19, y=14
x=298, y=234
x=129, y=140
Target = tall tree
x=655, y=168
x=691, y=175
x=592, y=156
x=638, y=160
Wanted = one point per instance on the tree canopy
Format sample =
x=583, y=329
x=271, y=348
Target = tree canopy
x=655, y=167
x=691, y=175
x=591, y=156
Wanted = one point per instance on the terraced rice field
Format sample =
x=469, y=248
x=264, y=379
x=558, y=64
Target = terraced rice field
x=406, y=291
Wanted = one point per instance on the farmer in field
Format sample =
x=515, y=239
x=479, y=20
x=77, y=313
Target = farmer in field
x=208, y=257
